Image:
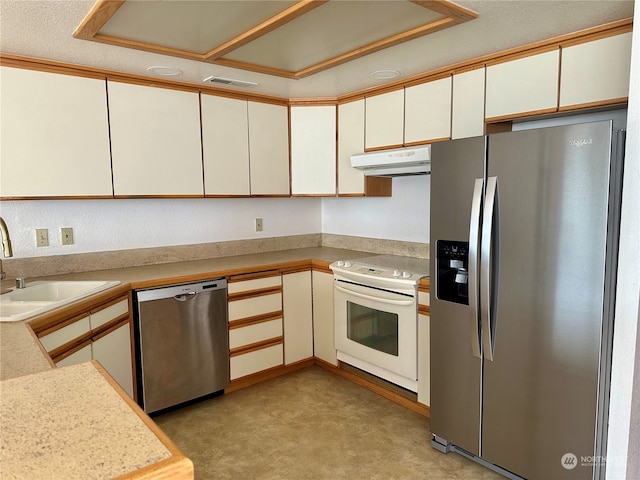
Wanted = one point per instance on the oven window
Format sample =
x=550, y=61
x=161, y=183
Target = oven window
x=373, y=328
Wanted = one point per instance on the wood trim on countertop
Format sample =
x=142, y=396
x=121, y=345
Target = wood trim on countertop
x=177, y=467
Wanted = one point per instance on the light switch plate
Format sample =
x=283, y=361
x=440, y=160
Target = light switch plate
x=67, y=235
x=42, y=237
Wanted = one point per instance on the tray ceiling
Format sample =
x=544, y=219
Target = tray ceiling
x=291, y=39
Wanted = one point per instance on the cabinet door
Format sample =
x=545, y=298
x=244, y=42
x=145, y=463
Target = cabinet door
x=54, y=135
x=298, y=321
x=384, y=120
x=427, y=112
x=155, y=141
x=113, y=351
x=350, y=142
x=524, y=86
x=269, y=149
x=467, y=109
x=596, y=72
x=255, y=361
x=424, y=362
x=225, y=146
x=313, y=150
x=323, y=327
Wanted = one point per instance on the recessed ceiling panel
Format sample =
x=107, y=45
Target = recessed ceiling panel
x=335, y=28
x=191, y=26
x=288, y=38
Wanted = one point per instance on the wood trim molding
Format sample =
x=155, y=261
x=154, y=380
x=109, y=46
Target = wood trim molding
x=452, y=14
x=234, y=297
x=252, y=347
x=600, y=31
x=389, y=395
x=262, y=318
x=321, y=266
x=176, y=467
x=424, y=310
x=241, y=277
x=268, y=374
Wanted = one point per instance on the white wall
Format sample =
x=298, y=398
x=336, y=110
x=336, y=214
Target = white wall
x=624, y=443
x=403, y=216
x=104, y=225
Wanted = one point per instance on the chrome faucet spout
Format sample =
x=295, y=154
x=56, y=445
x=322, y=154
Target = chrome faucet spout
x=6, y=241
x=6, y=244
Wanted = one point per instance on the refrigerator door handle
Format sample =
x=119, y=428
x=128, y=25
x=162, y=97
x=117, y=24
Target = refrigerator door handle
x=474, y=244
x=489, y=268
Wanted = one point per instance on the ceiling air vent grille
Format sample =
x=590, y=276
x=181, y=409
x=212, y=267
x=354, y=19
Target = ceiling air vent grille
x=229, y=81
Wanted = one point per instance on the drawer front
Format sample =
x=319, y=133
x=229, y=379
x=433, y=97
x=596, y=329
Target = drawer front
x=105, y=315
x=82, y=355
x=255, y=284
x=258, y=332
x=249, y=307
x=256, y=361
x=424, y=298
x=65, y=334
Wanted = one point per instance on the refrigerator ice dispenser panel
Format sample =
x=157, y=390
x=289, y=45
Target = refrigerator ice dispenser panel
x=453, y=262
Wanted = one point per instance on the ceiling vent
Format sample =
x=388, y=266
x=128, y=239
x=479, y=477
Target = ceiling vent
x=229, y=81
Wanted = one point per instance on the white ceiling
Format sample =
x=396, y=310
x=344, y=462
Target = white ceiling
x=43, y=29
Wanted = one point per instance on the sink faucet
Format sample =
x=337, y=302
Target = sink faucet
x=6, y=244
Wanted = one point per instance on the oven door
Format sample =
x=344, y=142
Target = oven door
x=378, y=327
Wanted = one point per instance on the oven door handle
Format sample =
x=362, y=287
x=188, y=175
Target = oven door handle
x=376, y=299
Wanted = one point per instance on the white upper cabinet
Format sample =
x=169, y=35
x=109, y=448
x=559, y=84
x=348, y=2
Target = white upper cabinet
x=155, y=141
x=225, y=146
x=523, y=86
x=54, y=135
x=313, y=150
x=269, y=148
x=384, y=120
x=350, y=142
x=427, y=114
x=596, y=72
x=467, y=108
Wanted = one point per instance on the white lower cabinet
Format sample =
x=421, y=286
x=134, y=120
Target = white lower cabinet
x=102, y=334
x=256, y=361
x=256, y=341
x=323, y=326
x=113, y=351
x=424, y=349
x=297, y=314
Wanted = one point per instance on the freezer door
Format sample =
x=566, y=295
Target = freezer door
x=540, y=389
x=455, y=370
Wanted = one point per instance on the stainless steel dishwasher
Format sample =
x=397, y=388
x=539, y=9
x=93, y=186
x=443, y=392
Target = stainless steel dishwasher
x=182, y=343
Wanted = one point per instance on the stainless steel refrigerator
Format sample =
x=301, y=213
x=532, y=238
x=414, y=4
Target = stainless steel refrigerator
x=524, y=229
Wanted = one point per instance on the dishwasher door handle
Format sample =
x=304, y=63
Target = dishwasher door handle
x=185, y=296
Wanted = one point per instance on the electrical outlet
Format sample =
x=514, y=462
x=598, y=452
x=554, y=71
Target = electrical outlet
x=42, y=237
x=67, y=235
x=258, y=224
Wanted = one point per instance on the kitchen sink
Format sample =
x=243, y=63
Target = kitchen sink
x=40, y=297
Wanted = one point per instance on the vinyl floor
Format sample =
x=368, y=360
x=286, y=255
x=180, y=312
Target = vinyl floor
x=311, y=424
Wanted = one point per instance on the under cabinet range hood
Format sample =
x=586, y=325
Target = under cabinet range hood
x=394, y=162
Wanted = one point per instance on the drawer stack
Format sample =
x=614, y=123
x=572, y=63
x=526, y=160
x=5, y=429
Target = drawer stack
x=255, y=323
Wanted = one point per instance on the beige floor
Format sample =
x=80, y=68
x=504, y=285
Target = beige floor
x=310, y=424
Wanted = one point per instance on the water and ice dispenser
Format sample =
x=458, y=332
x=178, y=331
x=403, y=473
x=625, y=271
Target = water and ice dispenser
x=453, y=275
